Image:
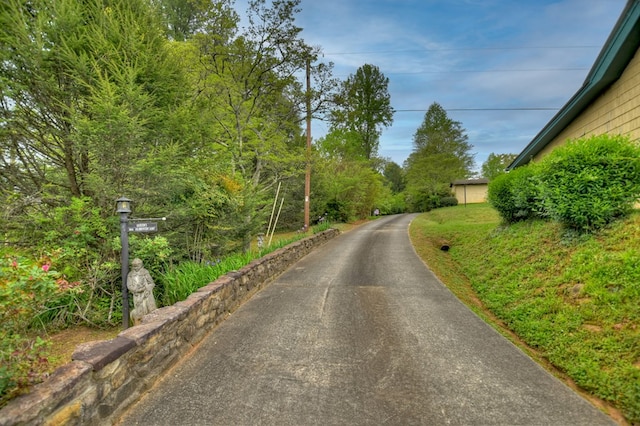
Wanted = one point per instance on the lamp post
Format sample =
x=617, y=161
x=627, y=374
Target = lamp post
x=123, y=207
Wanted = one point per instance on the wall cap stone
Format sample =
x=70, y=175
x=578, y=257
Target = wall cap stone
x=103, y=352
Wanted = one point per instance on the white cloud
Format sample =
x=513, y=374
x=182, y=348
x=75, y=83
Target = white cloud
x=425, y=47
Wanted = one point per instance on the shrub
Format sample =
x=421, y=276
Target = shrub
x=526, y=192
x=27, y=286
x=390, y=203
x=448, y=202
x=78, y=235
x=515, y=195
x=499, y=195
x=396, y=205
x=337, y=211
x=431, y=201
x=589, y=182
x=320, y=227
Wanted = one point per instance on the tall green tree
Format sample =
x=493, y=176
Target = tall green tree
x=496, y=164
x=363, y=108
x=185, y=18
x=88, y=88
x=250, y=88
x=394, y=176
x=249, y=92
x=90, y=94
x=340, y=143
x=345, y=189
x=441, y=154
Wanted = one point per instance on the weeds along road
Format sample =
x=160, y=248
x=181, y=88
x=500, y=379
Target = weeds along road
x=359, y=332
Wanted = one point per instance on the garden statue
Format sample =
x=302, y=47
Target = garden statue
x=140, y=284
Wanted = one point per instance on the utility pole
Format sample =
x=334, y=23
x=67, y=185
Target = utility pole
x=307, y=178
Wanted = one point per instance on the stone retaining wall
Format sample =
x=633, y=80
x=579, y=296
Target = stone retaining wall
x=105, y=377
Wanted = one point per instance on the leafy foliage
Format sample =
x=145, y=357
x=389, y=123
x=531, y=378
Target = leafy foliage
x=349, y=189
x=363, y=108
x=585, y=184
x=185, y=18
x=516, y=195
x=394, y=176
x=589, y=182
x=88, y=86
x=448, y=202
x=388, y=202
x=496, y=165
x=441, y=155
x=27, y=288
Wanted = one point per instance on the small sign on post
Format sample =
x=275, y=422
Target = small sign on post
x=142, y=227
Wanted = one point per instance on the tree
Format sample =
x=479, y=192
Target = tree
x=441, y=155
x=363, y=107
x=340, y=143
x=438, y=134
x=166, y=102
x=252, y=104
x=496, y=164
x=86, y=94
x=395, y=176
x=184, y=18
x=345, y=189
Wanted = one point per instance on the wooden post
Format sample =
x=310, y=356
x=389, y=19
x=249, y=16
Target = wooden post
x=307, y=178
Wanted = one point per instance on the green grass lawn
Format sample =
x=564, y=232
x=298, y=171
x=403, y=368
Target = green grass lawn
x=574, y=299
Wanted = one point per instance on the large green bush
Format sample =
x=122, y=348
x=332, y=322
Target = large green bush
x=526, y=192
x=423, y=200
x=448, y=201
x=515, y=195
x=589, y=182
x=80, y=234
x=499, y=195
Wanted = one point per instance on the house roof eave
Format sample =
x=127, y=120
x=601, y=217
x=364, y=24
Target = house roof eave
x=619, y=49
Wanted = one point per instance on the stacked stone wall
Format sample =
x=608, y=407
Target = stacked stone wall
x=106, y=377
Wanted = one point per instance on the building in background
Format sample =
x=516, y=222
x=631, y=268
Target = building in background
x=470, y=191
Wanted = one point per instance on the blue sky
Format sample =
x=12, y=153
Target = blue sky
x=464, y=54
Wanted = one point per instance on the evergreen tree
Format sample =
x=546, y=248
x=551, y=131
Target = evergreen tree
x=88, y=89
x=441, y=155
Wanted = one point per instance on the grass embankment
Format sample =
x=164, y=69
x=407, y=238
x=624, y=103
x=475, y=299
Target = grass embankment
x=573, y=299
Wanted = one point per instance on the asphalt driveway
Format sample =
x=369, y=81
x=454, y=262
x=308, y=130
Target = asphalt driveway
x=359, y=332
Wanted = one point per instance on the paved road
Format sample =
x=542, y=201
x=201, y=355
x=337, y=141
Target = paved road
x=359, y=333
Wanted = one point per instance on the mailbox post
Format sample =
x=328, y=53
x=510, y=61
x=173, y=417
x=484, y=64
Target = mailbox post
x=123, y=207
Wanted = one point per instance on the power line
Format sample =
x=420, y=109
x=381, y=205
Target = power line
x=484, y=109
x=488, y=71
x=462, y=49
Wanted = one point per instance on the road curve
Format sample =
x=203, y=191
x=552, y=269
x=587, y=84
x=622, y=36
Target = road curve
x=359, y=332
